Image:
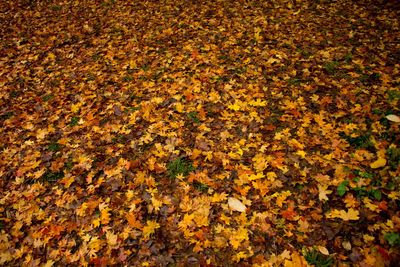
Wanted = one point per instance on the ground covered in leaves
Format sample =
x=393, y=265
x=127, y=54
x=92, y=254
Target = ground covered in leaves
x=212, y=133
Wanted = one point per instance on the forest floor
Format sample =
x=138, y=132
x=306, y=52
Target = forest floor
x=199, y=133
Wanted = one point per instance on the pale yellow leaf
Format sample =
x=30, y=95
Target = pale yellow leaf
x=236, y=205
x=323, y=192
x=393, y=118
x=346, y=245
x=323, y=250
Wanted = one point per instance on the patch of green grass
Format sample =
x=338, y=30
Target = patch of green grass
x=48, y=97
x=200, y=186
x=119, y=138
x=68, y=165
x=6, y=116
x=393, y=156
x=74, y=121
x=393, y=239
x=56, y=8
x=52, y=177
x=127, y=78
x=294, y=81
x=193, y=116
x=362, y=141
x=393, y=94
x=370, y=78
x=54, y=147
x=14, y=94
x=96, y=56
x=364, y=192
x=179, y=166
x=331, y=67
x=304, y=52
x=348, y=58
x=364, y=174
x=314, y=257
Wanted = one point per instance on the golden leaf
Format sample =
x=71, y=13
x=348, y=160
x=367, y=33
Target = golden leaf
x=351, y=214
x=234, y=107
x=150, y=228
x=380, y=162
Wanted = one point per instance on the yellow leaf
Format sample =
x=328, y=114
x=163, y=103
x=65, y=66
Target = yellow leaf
x=112, y=239
x=393, y=118
x=346, y=245
x=234, y=107
x=323, y=192
x=237, y=237
x=96, y=222
x=351, y=214
x=150, y=228
x=75, y=107
x=51, y=56
x=49, y=263
x=236, y=205
x=297, y=260
x=258, y=103
x=5, y=256
x=104, y=213
x=301, y=153
x=380, y=162
x=179, y=107
x=323, y=250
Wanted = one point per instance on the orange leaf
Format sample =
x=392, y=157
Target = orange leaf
x=133, y=222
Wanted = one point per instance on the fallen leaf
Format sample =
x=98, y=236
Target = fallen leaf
x=236, y=205
x=393, y=118
x=323, y=250
x=346, y=245
x=150, y=228
x=380, y=162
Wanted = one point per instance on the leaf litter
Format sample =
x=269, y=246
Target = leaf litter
x=186, y=133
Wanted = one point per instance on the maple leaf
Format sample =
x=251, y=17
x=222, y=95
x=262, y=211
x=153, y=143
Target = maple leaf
x=234, y=107
x=237, y=237
x=112, y=239
x=150, y=228
x=323, y=192
x=104, y=213
x=289, y=213
x=351, y=214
